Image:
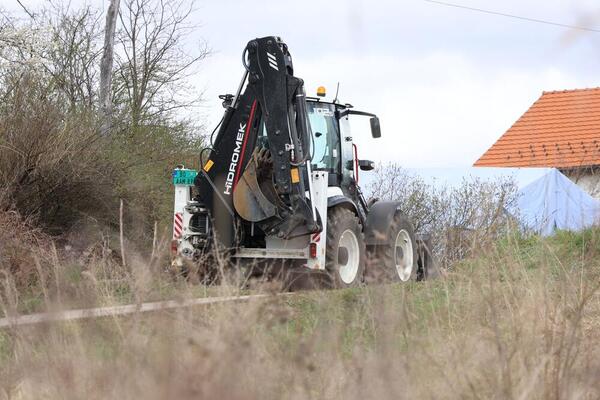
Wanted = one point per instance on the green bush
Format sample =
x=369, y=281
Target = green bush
x=56, y=170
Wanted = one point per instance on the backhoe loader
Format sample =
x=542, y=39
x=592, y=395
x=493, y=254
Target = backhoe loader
x=279, y=183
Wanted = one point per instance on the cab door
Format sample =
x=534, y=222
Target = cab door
x=347, y=160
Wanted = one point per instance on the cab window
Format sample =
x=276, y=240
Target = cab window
x=326, y=143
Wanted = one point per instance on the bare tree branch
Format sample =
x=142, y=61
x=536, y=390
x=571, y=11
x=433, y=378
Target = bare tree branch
x=154, y=65
x=26, y=10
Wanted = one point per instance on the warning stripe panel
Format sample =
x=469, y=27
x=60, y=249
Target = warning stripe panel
x=178, y=225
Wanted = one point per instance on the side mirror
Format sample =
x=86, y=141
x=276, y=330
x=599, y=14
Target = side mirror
x=366, y=165
x=375, y=128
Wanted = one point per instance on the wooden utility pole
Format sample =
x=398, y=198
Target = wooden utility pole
x=106, y=66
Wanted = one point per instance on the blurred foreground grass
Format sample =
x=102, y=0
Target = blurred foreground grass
x=520, y=320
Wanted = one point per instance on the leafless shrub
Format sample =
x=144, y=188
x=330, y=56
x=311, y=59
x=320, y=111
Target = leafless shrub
x=52, y=166
x=460, y=219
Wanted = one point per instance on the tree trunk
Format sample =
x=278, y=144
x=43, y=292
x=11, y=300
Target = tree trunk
x=106, y=66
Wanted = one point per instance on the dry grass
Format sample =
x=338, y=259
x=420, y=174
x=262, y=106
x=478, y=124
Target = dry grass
x=519, y=322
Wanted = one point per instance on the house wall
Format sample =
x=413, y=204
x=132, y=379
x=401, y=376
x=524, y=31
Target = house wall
x=587, y=180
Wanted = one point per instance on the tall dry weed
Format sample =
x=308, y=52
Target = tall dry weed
x=518, y=322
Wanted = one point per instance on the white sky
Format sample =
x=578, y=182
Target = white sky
x=446, y=82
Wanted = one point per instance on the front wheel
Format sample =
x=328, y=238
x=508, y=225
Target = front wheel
x=345, y=254
x=397, y=260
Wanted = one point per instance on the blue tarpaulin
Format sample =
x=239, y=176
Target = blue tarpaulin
x=555, y=202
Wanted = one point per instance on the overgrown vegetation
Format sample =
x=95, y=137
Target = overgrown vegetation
x=461, y=220
x=519, y=321
x=56, y=169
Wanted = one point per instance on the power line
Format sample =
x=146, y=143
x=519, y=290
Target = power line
x=539, y=21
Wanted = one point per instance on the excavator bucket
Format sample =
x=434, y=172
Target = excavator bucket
x=254, y=196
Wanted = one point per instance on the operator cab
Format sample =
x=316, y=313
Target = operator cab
x=332, y=147
x=331, y=142
x=325, y=144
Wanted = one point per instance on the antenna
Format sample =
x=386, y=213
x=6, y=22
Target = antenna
x=337, y=91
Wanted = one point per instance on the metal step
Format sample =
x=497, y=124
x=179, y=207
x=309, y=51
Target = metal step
x=271, y=253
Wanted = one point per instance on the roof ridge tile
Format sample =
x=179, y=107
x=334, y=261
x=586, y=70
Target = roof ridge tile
x=589, y=89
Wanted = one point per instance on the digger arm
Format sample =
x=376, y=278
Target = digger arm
x=230, y=183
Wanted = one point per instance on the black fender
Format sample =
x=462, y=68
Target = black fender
x=378, y=222
x=343, y=201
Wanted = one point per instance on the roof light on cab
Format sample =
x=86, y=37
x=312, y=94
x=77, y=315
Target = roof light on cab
x=321, y=91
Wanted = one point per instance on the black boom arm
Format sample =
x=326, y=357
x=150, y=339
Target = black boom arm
x=262, y=180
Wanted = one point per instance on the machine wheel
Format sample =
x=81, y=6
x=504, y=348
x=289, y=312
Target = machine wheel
x=398, y=259
x=345, y=254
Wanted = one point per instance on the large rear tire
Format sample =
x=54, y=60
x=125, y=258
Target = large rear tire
x=397, y=260
x=345, y=253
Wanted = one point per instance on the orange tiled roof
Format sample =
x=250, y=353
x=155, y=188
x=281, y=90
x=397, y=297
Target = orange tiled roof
x=561, y=129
